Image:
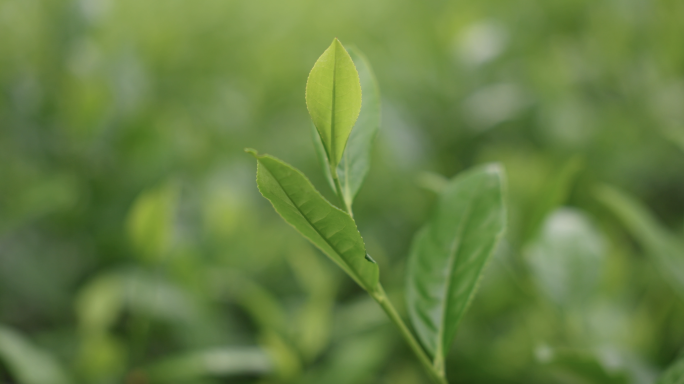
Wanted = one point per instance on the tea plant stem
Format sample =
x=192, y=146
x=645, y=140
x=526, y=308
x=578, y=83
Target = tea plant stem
x=340, y=194
x=382, y=299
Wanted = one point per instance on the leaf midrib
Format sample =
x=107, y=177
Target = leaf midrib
x=333, y=141
x=447, y=287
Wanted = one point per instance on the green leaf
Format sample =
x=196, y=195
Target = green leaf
x=567, y=257
x=222, y=362
x=554, y=194
x=150, y=222
x=666, y=250
x=27, y=363
x=449, y=254
x=355, y=163
x=327, y=227
x=333, y=98
x=674, y=374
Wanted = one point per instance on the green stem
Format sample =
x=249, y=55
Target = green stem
x=382, y=299
x=340, y=194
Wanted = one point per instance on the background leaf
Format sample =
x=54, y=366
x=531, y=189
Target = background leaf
x=554, y=194
x=355, y=163
x=674, y=374
x=567, y=257
x=28, y=363
x=151, y=221
x=333, y=97
x=215, y=362
x=303, y=207
x=666, y=250
x=449, y=254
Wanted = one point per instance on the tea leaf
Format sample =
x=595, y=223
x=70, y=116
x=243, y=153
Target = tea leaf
x=355, y=163
x=28, y=363
x=449, y=254
x=566, y=257
x=674, y=374
x=333, y=98
x=327, y=227
x=667, y=251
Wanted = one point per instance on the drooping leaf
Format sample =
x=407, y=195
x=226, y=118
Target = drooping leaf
x=449, y=254
x=674, y=374
x=330, y=229
x=27, y=363
x=333, y=98
x=566, y=257
x=666, y=250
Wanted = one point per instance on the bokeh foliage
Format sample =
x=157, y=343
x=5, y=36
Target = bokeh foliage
x=134, y=246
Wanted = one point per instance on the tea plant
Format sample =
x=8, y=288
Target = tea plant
x=448, y=254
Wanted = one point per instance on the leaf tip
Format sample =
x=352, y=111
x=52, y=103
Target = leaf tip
x=252, y=152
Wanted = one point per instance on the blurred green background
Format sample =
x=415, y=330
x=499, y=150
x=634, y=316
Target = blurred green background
x=135, y=247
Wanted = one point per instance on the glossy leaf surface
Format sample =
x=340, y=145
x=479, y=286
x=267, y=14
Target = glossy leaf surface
x=330, y=229
x=449, y=254
x=333, y=98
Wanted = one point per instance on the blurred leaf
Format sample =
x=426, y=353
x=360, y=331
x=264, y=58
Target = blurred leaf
x=667, y=251
x=674, y=374
x=355, y=359
x=101, y=358
x=262, y=305
x=28, y=363
x=432, y=182
x=99, y=304
x=449, y=254
x=333, y=97
x=355, y=163
x=314, y=319
x=567, y=257
x=554, y=194
x=285, y=359
x=579, y=366
x=330, y=229
x=216, y=362
x=275, y=329
x=151, y=221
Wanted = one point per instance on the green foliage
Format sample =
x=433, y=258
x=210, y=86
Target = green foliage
x=28, y=363
x=333, y=97
x=355, y=162
x=448, y=256
x=665, y=248
x=674, y=374
x=330, y=229
x=567, y=258
x=194, y=366
x=133, y=240
x=151, y=222
x=468, y=223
